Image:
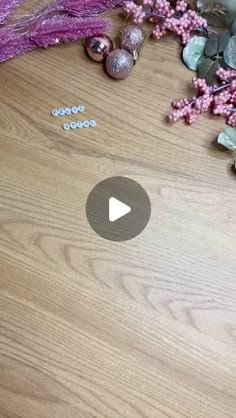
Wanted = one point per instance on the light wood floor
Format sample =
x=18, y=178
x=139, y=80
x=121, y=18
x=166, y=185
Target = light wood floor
x=94, y=329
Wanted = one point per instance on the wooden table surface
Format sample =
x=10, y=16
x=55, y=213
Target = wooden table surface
x=94, y=329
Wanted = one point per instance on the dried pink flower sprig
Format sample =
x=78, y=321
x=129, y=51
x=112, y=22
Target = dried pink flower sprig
x=220, y=100
x=179, y=19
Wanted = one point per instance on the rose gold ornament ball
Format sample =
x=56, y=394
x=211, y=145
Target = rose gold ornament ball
x=119, y=64
x=98, y=47
x=132, y=38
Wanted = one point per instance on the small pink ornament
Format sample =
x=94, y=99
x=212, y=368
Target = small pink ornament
x=98, y=47
x=119, y=64
x=132, y=38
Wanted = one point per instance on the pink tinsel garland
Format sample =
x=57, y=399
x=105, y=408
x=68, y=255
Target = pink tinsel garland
x=59, y=21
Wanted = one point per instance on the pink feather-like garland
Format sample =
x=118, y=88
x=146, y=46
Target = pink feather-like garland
x=7, y=8
x=59, y=21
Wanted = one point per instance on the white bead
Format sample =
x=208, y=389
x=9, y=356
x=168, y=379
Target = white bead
x=92, y=123
x=74, y=109
x=67, y=111
x=86, y=124
x=81, y=108
x=79, y=124
x=66, y=126
x=62, y=111
x=73, y=125
x=55, y=112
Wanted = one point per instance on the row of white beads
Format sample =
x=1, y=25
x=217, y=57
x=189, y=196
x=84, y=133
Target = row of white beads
x=68, y=110
x=80, y=124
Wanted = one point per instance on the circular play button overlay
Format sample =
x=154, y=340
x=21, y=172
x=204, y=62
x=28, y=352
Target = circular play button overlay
x=118, y=209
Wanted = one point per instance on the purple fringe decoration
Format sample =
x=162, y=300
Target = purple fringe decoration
x=60, y=21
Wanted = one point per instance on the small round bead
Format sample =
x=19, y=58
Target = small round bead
x=66, y=126
x=73, y=125
x=92, y=123
x=86, y=124
x=74, y=109
x=79, y=124
x=67, y=111
x=62, y=111
x=81, y=108
x=55, y=112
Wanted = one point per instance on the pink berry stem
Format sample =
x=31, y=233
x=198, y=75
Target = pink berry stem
x=176, y=16
x=152, y=14
x=168, y=17
x=212, y=92
x=217, y=89
x=219, y=100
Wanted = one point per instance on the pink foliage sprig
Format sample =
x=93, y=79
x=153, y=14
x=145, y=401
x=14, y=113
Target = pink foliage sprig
x=179, y=19
x=7, y=8
x=60, y=21
x=78, y=8
x=219, y=100
x=49, y=32
x=64, y=29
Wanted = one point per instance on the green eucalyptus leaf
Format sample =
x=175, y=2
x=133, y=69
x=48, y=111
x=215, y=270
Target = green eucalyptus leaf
x=211, y=46
x=233, y=27
x=223, y=40
x=207, y=69
x=217, y=43
x=194, y=51
x=230, y=53
x=227, y=138
x=223, y=64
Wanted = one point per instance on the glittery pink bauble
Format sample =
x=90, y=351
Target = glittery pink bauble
x=98, y=47
x=132, y=38
x=119, y=63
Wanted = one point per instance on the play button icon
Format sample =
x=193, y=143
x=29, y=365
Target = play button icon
x=118, y=209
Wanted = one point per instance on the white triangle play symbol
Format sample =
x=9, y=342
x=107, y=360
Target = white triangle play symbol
x=117, y=209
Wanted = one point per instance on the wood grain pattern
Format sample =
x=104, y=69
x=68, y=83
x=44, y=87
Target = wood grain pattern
x=94, y=329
